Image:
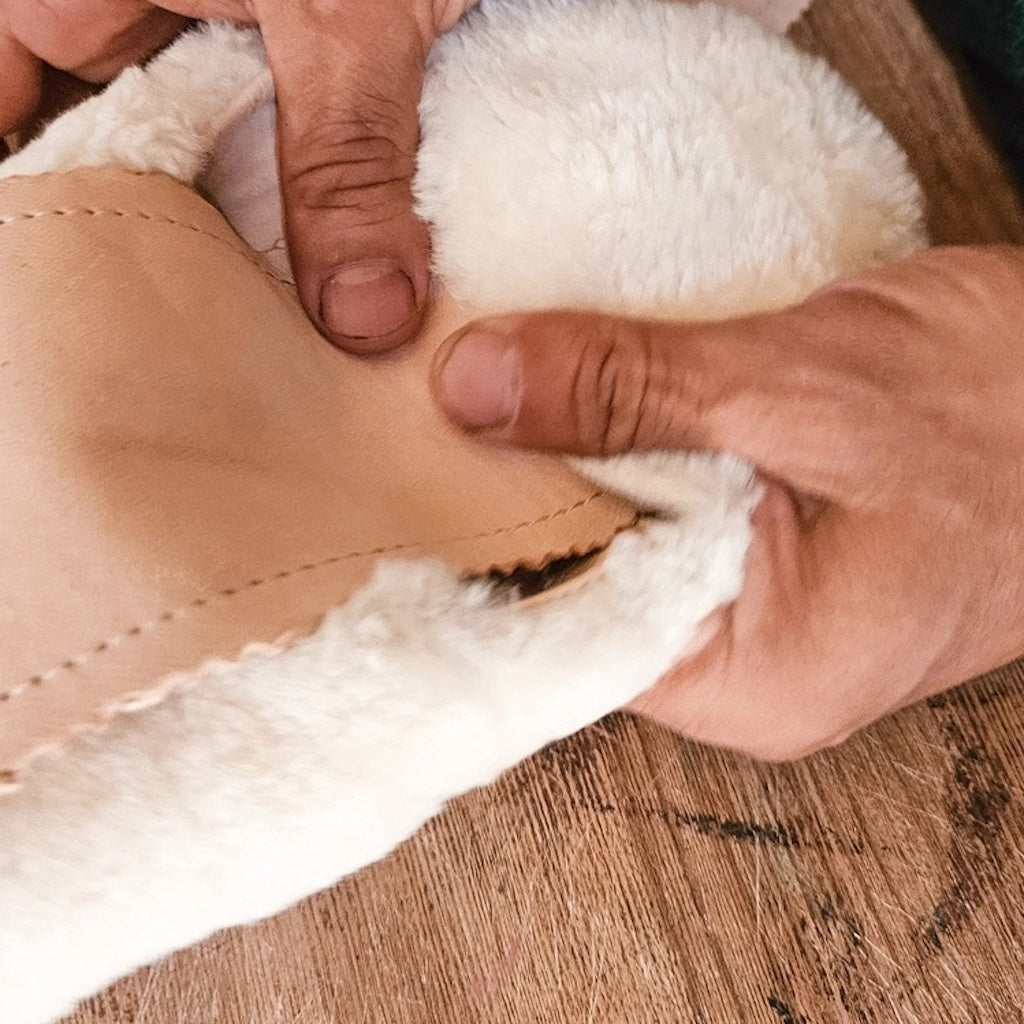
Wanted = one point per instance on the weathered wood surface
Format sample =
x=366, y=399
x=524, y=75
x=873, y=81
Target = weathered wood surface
x=627, y=876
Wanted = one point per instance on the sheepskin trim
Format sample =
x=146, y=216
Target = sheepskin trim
x=612, y=154
x=280, y=773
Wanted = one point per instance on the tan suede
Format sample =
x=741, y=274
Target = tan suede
x=188, y=468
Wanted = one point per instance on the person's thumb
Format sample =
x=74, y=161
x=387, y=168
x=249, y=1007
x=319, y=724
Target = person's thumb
x=348, y=77
x=589, y=384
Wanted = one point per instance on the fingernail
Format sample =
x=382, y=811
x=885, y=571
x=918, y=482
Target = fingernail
x=481, y=382
x=367, y=300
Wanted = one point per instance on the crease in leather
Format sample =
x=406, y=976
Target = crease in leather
x=191, y=470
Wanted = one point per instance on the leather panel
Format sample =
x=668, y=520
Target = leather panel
x=188, y=468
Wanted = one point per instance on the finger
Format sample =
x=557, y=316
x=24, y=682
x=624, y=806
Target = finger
x=774, y=389
x=136, y=41
x=93, y=39
x=21, y=89
x=348, y=78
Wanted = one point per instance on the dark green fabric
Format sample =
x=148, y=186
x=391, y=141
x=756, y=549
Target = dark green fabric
x=988, y=38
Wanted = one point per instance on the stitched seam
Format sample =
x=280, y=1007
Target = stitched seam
x=118, y=640
x=104, y=647
x=143, y=215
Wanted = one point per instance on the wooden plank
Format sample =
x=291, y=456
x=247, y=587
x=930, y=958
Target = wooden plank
x=626, y=875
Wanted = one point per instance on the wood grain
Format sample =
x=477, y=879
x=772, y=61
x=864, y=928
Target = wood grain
x=626, y=875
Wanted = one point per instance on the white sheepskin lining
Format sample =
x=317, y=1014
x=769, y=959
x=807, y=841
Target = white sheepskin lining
x=625, y=154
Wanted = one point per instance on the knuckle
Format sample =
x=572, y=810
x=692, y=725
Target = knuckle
x=614, y=398
x=357, y=162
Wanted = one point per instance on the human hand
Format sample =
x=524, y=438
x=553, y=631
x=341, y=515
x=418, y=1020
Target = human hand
x=886, y=416
x=348, y=75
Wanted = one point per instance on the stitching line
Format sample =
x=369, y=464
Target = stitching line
x=155, y=218
x=118, y=640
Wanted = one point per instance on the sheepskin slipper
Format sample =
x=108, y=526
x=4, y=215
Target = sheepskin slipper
x=231, y=720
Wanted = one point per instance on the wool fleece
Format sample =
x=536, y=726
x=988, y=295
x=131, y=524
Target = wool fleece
x=629, y=155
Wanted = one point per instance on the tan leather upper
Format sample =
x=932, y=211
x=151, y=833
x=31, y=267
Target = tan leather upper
x=187, y=467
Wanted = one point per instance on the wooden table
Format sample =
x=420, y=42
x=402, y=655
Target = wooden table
x=628, y=876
